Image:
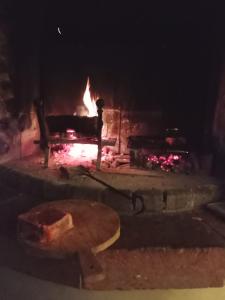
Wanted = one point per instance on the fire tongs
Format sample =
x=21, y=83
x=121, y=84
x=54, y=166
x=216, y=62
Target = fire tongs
x=134, y=197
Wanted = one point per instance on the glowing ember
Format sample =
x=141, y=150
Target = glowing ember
x=83, y=150
x=176, y=157
x=74, y=154
x=170, y=162
x=89, y=102
x=153, y=158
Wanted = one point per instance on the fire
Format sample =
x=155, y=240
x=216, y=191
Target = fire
x=79, y=151
x=89, y=102
x=74, y=154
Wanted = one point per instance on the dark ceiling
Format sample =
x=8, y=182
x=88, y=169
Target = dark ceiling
x=120, y=21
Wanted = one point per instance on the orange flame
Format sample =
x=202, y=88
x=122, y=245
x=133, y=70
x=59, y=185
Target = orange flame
x=89, y=102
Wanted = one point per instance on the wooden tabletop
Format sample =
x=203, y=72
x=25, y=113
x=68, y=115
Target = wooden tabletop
x=96, y=227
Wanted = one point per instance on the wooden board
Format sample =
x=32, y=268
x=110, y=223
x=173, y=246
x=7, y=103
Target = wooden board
x=96, y=227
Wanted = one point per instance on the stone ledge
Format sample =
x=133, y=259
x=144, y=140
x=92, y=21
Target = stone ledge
x=164, y=199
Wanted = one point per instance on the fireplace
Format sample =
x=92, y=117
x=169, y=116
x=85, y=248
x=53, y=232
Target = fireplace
x=113, y=106
x=153, y=80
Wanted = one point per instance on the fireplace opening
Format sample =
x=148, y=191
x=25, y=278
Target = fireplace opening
x=150, y=88
x=159, y=81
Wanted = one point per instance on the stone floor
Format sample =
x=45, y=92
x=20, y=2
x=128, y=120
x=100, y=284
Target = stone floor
x=180, y=250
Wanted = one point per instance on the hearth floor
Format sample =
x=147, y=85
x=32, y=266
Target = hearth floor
x=161, y=191
x=121, y=178
x=182, y=250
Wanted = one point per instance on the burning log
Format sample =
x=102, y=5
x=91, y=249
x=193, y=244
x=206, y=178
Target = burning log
x=85, y=126
x=88, y=130
x=73, y=129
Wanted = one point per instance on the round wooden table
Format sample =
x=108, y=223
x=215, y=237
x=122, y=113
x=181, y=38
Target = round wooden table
x=96, y=227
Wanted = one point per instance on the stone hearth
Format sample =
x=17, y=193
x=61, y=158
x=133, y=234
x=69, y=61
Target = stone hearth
x=161, y=192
